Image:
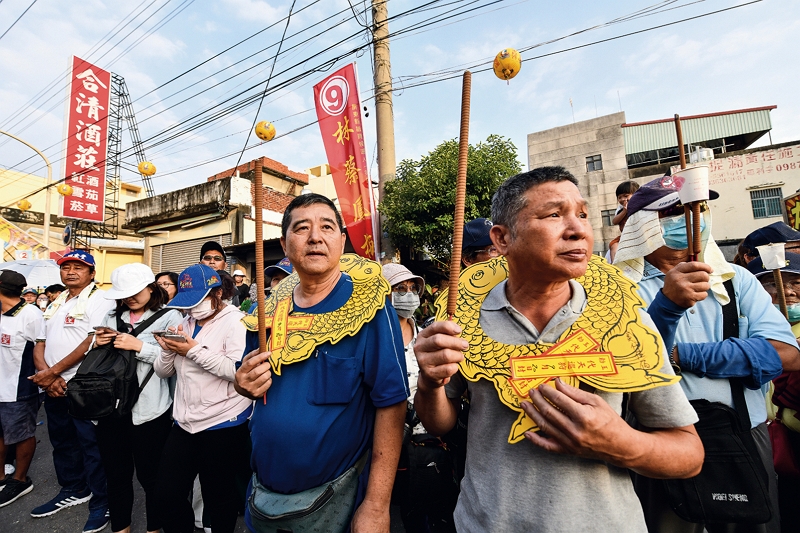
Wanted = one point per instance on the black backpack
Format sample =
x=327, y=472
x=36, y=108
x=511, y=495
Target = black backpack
x=106, y=385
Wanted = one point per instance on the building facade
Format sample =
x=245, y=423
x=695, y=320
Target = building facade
x=606, y=151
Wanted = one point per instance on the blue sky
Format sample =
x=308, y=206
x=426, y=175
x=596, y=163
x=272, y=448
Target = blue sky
x=745, y=57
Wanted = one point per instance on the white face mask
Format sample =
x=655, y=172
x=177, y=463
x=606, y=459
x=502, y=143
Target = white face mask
x=405, y=304
x=202, y=310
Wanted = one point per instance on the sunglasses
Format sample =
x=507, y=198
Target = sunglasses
x=213, y=258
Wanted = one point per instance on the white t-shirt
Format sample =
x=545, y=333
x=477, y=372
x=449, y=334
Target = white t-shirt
x=412, y=367
x=64, y=333
x=18, y=328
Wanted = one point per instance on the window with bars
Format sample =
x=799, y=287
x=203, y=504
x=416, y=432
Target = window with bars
x=766, y=202
x=594, y=162
x=607, y=216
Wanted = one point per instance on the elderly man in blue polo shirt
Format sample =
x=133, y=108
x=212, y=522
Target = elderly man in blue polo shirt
x=685, y=299
x=328, y=420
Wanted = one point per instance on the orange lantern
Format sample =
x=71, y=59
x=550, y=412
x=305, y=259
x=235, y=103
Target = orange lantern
x=146, y=168
x=265, y=131
x=507, y=64
x=64, y=189
x=23, y=205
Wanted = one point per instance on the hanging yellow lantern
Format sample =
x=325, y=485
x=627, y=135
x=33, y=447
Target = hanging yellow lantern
x=507, y=64
x=146, y=168
x=265, y=131
x=23, y=205
x=64, y=189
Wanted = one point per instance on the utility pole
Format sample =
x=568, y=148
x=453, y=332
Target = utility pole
x=384, y=115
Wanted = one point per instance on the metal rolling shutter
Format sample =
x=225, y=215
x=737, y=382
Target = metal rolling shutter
x=176, y=256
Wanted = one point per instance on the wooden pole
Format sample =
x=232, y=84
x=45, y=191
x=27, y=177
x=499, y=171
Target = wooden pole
x=781, y=295
x=384, y=112
x=687, y=209
x=461, y=193
x=259, y=205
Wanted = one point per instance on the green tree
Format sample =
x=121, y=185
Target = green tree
x=420, y=202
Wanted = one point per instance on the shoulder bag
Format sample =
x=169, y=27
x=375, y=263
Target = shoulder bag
x=733, y=486
x=106, y=384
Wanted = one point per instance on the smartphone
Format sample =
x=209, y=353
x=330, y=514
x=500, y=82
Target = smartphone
x=160, y=332
x=174, y=337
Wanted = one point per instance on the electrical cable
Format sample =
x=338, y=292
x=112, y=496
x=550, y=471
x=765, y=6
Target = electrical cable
x=94, y=60
x=99, y=44
x=266, y=88
x=18, y=19
x=423, y=7
x=632, y=33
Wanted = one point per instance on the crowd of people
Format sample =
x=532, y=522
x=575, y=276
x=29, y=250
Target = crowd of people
x=354, y=403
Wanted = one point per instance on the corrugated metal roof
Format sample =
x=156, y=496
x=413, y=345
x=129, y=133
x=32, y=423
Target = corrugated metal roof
x=658, y=134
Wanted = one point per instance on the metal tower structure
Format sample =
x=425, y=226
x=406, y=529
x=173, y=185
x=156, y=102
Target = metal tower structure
x=120, y=109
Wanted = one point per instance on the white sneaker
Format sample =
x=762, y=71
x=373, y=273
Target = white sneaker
x=10, y=470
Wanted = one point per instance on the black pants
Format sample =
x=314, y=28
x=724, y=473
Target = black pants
x=216, y=455
x=123, y=448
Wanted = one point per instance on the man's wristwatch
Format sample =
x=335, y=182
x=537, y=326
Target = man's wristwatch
x=675, y=367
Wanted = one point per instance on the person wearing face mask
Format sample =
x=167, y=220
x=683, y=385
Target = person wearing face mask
x=42, y=301
x=416, y=512
x=406, y=288
x=210, y=435
x=685, y=299
x=783, y=402
x=136, y=440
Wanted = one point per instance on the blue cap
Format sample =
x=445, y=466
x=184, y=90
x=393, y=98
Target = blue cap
x=756, y=266
x=81, y=256
x=194, y=284
x=284, y=265
x=774, y=233
x=476, y=233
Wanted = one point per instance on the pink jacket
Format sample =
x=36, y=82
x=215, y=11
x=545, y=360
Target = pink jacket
x=204, y=393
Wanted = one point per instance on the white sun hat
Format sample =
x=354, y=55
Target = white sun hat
x=129, y=280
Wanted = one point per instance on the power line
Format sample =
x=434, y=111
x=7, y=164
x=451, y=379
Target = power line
x=99, y=44
x=266, y=88
x=95, y=60
x=249, y=100
x=18, y=19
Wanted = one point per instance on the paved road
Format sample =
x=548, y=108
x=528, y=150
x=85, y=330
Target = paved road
x=16, y=518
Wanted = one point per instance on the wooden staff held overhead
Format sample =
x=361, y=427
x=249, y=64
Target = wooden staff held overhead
x=259, y=205
x=776, y=273
x=461, y=193
x=687, y=209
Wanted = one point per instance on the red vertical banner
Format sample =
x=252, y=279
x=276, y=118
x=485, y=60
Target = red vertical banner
x=86, y=144
x=339, y=115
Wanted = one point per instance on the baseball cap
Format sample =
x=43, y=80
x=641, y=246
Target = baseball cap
x=396, y=273
x=281, y=266
x=211, y=246
x=659, y=194
x=238, y=272
x=128, y=280
x=756, y=266
x=476, y=233
x=12, y=281
x=81, y=256
x=774, y=233
x=194, y=284
x=30, y=290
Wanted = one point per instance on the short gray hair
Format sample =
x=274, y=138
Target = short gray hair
x=510, y=197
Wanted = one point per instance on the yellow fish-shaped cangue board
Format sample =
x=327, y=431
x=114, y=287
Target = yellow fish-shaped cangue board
x=294, y=337
x=608, y=347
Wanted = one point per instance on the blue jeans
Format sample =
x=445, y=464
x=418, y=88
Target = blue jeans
x=75, y=454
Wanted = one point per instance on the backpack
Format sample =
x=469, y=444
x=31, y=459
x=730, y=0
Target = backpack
x=106, y=385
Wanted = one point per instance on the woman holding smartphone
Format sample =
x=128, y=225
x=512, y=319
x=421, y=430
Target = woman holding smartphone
x=136, y=440
x=210, y=435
